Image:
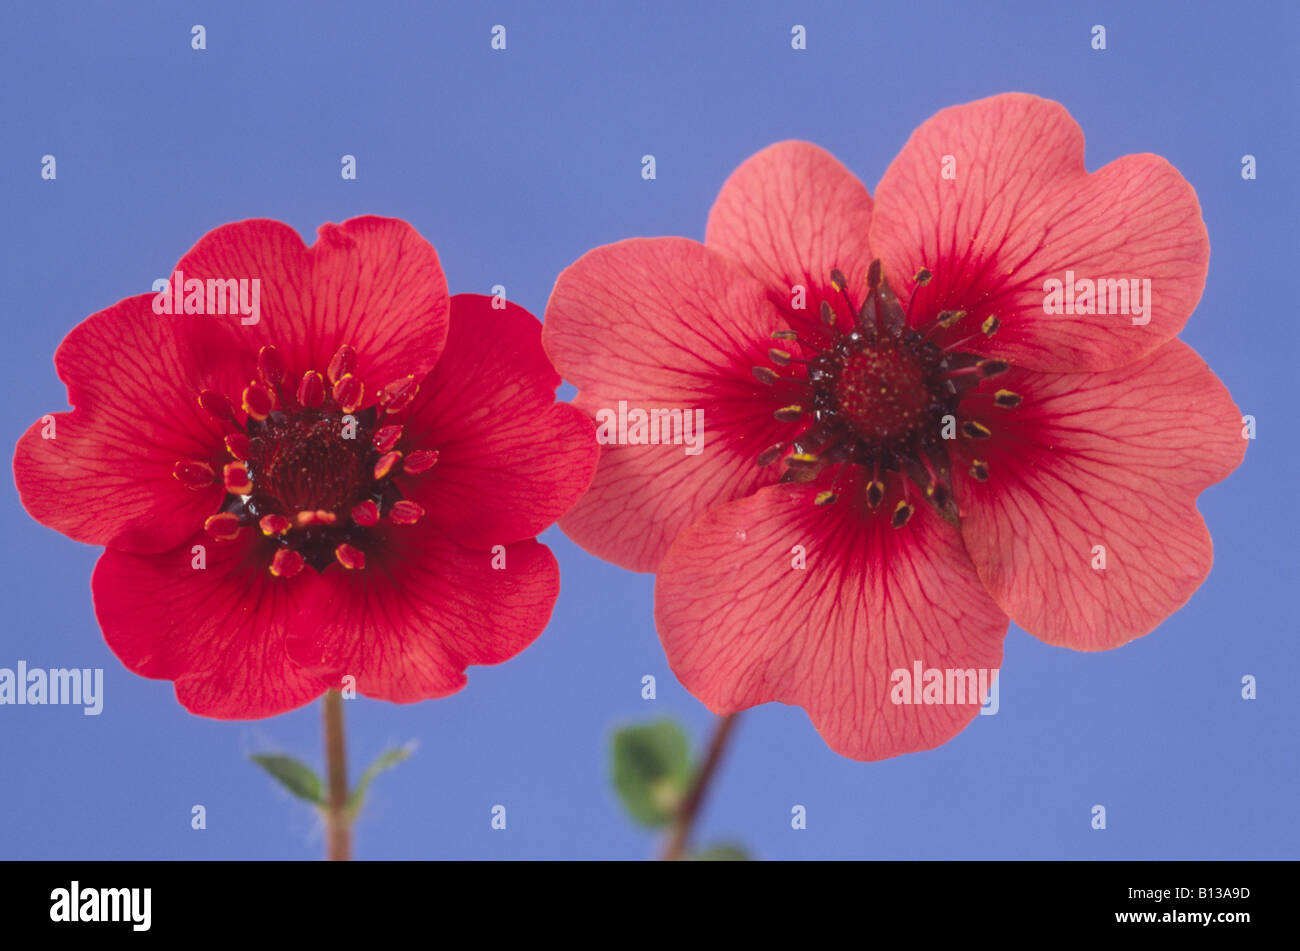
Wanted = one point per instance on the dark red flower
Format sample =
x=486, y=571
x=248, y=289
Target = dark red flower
x=348, y=482
x=902, y=447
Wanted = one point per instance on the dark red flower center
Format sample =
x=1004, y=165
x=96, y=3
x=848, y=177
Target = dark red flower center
x=880, y=398
x=312, y=470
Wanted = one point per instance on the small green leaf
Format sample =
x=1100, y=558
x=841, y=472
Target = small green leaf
x=723, y=852
x=652, y=770
x=294, y=776
x=386, y=760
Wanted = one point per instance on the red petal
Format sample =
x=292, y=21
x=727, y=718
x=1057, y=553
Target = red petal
x=790, y=214
x=1115, y=459
x=425, y=608
x=1021, y=210
x=370, y=283
x=664, y=323
x=106, y=478
x=510, y=459
x=742, y=625
x=219, y=632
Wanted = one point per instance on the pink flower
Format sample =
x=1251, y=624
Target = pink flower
x=345, y=481
x=922, y=451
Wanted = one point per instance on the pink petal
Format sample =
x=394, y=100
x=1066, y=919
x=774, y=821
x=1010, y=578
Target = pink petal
x=788, y=215
x=218, y=632
x=105, y=477
x=664, y=323
x=1022, y=210
x=742, y=626
x=1112, y=459
x=510, y=459
x=423, y=609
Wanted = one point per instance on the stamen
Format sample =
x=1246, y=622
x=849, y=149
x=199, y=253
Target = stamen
x=990, y=326
x=270, y=366
x=350, y=557
x=979, y=470
x=258, y=401
x=223, y=526
x=780, y=357
x=406, y=512
x=238, y=446
x=990, y=368
x=311, y=391
x=384, y=464
x=342, y=364
x=236, y=480
x=218, y=406
x=765, y=375
x=386, y=438
x=195, y=475
x=398, y=395
x=825, y=498
x=422, y=460
x=875, y=492
x=273, y=526
x=348, y=392
x=1007, y=400
x=366, y=513
x=788, y=414
x=771, y=454
x=974, y=430
x=902, y=514
x=286, y=563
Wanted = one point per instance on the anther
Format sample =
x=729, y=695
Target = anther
x=902, y=512
x=238, y=446
x=235, y=478
x=258, y=400
x=801, y=460
x=286, y=563
x=195, y=475
x=947, y=318
x=788, y=414
x=311, y=391
x=365, y=513
x=315, y=517
x=874, y=273
x=837, y=279
x=979, y=470
x=1006, y=399
x=779, y=357
x=384, y=464
x=990, y=325
x=270, y=366
x=217, y=405
x=922, y=277
x=825, y=498
x=406, y=512
x=422, y=460
x=348, y=392
x=386, y=438
x=990, y=368
x=765, y=375
x=223, y=526
x=784, y=335
x=974, y=430
x=273, y=526
x=343, y=363
x=875, y=492
x=770, y=454
x=349, y=557
x=828, y=315
x=398, y=395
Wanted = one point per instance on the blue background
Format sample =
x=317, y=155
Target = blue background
x=513, y=164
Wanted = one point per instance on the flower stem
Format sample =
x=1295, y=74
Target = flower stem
x=689, y=810
x=338, y=826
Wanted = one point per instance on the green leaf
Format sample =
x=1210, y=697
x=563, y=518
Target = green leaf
x=723, y=852
x=387, y=760
x=294, y=776
x=652, y=770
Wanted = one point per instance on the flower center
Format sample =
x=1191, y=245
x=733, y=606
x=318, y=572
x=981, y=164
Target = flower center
x=312, y=470
x=881, y=405
x=882, y=391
